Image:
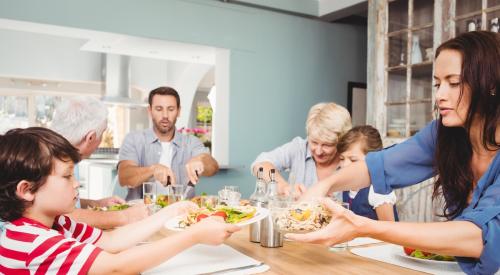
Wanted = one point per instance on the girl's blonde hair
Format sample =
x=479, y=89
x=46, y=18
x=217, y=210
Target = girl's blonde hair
x=328, y=122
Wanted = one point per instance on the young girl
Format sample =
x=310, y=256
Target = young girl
x=37, y=189
x=353, y=147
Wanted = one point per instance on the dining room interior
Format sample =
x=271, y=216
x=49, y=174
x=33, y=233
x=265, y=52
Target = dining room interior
x=248, y=73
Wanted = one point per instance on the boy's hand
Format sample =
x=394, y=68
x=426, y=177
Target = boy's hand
x=135, y=213
x=179, y=208
x=212, y=230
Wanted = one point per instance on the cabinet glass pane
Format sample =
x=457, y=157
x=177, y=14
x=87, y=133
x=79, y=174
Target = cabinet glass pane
x=468, y=24
x=493, y=3
x=420, y=115
x=493, y=21
x=398, y=15
x=396, y=91
x=421, y=45
x=396, y=120
x=13, y=112
x=421, y=83
x=397, y=49
x=467, y=6
x=45, y=106
x=423, y=12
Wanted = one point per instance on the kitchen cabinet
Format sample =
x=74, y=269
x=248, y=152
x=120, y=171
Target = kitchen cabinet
x=402, y=38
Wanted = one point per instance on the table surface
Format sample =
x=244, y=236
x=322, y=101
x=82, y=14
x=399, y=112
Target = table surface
x=301, y=258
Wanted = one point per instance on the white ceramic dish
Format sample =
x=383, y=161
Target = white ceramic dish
x=261, y=213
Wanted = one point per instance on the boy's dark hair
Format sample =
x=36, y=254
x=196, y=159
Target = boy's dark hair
x=28, y=154
x=164, y=91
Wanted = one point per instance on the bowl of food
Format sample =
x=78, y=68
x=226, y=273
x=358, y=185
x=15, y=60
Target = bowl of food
x=299, y=217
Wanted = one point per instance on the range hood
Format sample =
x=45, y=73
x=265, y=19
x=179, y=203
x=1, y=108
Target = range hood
x=117, y=79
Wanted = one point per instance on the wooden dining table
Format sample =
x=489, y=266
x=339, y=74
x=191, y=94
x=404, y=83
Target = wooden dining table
x=303, y=258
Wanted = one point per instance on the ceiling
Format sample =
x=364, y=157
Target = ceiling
x=310, y=8
x=105, y=42
x=326, y=10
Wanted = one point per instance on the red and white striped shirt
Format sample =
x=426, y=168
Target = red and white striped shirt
x=29, y=247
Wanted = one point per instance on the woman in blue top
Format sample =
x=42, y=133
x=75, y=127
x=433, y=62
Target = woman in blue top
x=461, y=148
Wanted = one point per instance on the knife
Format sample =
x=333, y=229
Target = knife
x=190, y=185
x=227, y=270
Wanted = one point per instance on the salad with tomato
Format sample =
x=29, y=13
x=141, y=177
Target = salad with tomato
x=230, y=214
x=416, y=253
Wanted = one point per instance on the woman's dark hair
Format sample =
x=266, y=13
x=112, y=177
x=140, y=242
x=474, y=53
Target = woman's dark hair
x=480, y=51
x=366, y=133
x=28, y=154
x=164, y=91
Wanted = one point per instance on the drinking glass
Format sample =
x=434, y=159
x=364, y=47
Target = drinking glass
x=232, y=188
x=149, y=192
x=230, y=195
x=209, y=201
x=340, y=246
x=176, y=193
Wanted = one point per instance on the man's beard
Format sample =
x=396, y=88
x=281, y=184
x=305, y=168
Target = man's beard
x=164, y=129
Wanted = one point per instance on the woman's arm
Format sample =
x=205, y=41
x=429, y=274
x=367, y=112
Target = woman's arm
x=455, y=238
x=352, y=177
x=385, y=212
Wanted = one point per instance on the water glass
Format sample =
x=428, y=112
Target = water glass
x=340, y=246
x=229, y=196
x=149, y=192
x=209, y=201
x=233, y=188
x=176, y=193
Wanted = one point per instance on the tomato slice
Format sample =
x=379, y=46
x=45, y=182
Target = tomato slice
x=220, y=214
x=408, y=250
x=201, y=217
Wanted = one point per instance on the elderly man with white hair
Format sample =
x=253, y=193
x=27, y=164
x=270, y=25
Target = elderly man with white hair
x=82, y=121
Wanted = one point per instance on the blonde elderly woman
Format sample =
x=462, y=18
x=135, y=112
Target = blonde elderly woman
x=311, y=159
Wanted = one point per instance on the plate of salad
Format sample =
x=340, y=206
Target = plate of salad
x=237, y=215
x=425, y=257
x=114, y=207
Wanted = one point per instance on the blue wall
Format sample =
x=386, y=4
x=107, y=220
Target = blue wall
x=280, y=64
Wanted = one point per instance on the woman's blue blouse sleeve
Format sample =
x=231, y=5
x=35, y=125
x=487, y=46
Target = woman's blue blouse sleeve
x=484, y=211
x=404, y=164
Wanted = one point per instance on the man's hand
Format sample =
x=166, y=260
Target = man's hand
x=194, y=167
x=109, y=201
x=162, y=173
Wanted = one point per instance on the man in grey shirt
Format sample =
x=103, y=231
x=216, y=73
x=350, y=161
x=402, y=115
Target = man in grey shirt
x=161, y=153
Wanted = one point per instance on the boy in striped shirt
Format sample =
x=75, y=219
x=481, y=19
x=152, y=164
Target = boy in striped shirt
x=37, y=188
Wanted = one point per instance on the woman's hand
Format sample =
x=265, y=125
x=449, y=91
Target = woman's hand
x=344, y=226
x=212, y=230
x=298, y=190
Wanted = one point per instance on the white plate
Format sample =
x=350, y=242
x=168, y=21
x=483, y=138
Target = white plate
x=400, y=252
x=261, y=213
